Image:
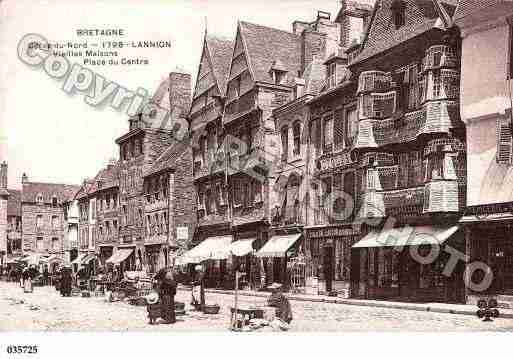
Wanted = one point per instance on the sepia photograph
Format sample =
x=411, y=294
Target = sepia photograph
x=264, y=167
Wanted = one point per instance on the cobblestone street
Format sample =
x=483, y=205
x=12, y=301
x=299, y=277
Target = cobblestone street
x=45, y=310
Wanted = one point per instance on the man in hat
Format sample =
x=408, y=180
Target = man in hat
x=167, y=292
x=279, y=301
x=65, y=281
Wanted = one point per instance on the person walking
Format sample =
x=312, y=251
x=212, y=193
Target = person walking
x=167, y=292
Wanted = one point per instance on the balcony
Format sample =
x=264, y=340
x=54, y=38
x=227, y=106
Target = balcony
x=371, y=81
x=288, y=216
x=239, y=107
x=156, y=205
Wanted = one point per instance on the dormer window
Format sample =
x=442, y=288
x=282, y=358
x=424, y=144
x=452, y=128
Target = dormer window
x=398, y=13
x=278, y=72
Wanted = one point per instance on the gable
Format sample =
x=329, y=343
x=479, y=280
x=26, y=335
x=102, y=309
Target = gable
x=420, y=16
x=205, y=79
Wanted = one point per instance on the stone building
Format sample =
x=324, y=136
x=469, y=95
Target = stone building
x=43, y=217
x=410, y=151
x=486, y=72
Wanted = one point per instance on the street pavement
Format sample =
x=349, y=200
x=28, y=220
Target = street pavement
x=46, y=310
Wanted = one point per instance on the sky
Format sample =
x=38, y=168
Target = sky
x=56, y=137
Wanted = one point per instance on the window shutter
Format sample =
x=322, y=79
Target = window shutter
x=338, y=203
x=504, y=141
x=339, y=129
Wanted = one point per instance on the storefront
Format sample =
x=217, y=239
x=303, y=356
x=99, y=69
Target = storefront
x=125, y=258
x=489, y=241
x=407, y=264
x=154, y=257
x=105, y=253
x=275, y=255
x=328, y=253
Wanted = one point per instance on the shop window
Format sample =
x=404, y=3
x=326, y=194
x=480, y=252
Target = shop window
x=284, y=142
x=220, y=194
x=210, y=202
x=258, y=191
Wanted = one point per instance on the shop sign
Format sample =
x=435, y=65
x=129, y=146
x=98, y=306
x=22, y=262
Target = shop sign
x=182, y=233
x=337, y=161
x=332, y=232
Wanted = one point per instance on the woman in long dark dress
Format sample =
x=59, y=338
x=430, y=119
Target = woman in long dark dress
x=65, y=282
x=167, y=292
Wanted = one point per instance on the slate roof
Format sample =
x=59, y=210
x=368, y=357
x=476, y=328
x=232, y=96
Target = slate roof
x=468, y=7
x=420, y=17
x=109, y=178
x=63, y=192
x=220, y=50
x=169, y=157
x=267, y=46
x=14, y=203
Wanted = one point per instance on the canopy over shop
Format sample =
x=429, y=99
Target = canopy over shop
x=277, y=248
x=212, y=248
x=120, y=256
x=383, y=269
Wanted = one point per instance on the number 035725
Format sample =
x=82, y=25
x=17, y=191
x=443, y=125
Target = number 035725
x=22, y=349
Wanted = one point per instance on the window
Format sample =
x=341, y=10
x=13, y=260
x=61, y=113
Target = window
x=279, y=77
x=510, y=54
x=284, y=142
x=55, y=222
x=248, y=198
x=220, y=194
x=39, y=198
x=39, y=222
x=54, y=201
x=257, y=189
x=296, y=132
x=148, y=224
x=398, y=13
x=437, y=85
x=201, y=200
x=352, y=125
x=115, y=226
x=164, y=221
x=328, y=133
x=39, y=243
x=236, y=87
x=55, y=243
x=331, y=80
x=209, y=202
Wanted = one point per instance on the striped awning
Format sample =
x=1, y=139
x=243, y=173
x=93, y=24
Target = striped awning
x=79, y=259
x=407, y=236
x=277, y=246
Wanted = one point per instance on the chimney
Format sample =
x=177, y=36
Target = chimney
x=299, y=26
x=179, y=94
x=313, y=44
x=24, y=178
x=3, y=175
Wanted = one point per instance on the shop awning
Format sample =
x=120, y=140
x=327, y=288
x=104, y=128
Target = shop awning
x=32, y=259
x=88, y=258
x=241, y=247
x=54, y=258
x=210, y=248
x=120, y=255
x=407, y=236
x=79, y=259
x=278, y=246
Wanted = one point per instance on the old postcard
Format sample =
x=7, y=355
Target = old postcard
x=261, y=167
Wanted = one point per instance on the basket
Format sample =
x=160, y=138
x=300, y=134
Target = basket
x=211, y=309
